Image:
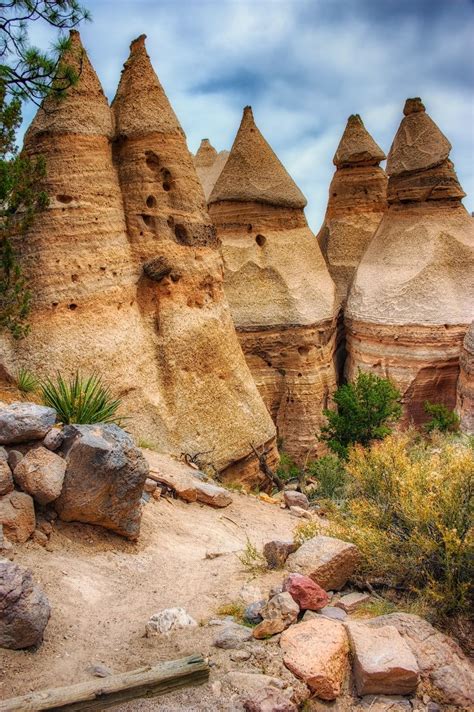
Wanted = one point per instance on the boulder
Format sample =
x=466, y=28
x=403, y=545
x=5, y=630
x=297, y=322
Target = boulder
x=6, y=479
x=328, y=561
x=253, y=612
x=276, y=552
x=24, y=608
x=17, y=515
x=307, y=594
x=336, y=614
x=54, y=439
x=41, y=474
x=440, y=660
x=20, y=422
x=383, y=662
x=295, y=499
x=166, y=621
x=279, y=613
x=104, y=479
x=211, y=494
x=316, y=651
x=269, y=699
x=14, y=457
x=174, y=474
x=352, y=601
x=300, y=512
x=233, y=636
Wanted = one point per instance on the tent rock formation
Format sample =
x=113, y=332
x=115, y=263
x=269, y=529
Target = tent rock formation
x=413, y=295
x=127, y=275
x=280, y=292
x=209, y=165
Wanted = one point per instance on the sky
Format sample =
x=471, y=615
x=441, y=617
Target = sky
x=304, y=66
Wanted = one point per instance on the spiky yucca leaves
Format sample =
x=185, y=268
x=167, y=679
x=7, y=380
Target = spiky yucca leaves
x=81, y=400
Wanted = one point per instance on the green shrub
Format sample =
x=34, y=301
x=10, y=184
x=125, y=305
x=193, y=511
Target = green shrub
x=25, y=381
x=442, y=418
x=252, y=560
x=409, y=510
x=364, y=412
x=287, y=469
x=80, y=400
x=331, y=475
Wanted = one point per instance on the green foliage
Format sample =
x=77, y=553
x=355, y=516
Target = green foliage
x=331, y=475
x=287, y=469
x=442, y=418
x=80, y=400
x=410, y=512
x=305, y=531
x=252, y=560
x=364, y=411
x=26, y=382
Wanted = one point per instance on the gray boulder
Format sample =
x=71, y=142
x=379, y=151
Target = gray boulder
x=24, y=608
x=20, y=422
x=105, y=476
x=41, y=474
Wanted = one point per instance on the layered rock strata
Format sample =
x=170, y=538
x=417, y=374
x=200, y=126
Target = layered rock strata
x=211, y=402
x=357, y=201
x=209, y=165
x=465, y=389
x=280, y=292
x=135, y=296
x=412, y=298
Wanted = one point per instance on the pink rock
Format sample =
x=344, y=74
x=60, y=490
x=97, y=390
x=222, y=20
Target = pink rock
x=307, y=594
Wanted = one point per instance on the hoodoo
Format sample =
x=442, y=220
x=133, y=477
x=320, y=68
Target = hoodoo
x=357, y=200
x=209, y=165
x=212, y=404
x=281, y=295
x=413, y=295
x=76, y=256
x=465, y=397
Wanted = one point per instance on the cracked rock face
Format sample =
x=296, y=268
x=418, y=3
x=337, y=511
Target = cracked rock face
x=412, y=298
x=281, y=295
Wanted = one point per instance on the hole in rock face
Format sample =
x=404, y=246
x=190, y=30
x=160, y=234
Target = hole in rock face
x=299, y=375
x=152, y=160
x=151, y=201
x=249, y=228
x=166, y=179
x=303, y=350
x=181, y=234
x=260, y=240
x=148, y=220
x=170, y=221
x=166, y=186
x=74, y=277
x=64, y=198
x=72, y=306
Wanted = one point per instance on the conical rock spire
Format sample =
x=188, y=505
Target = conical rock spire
x=84, y=109
x=140, y=104
x=209, y=165
x=253, y=173
x=206, y=154
x=357, y=147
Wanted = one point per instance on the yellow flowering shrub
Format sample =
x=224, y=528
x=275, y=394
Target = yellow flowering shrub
x=410, y=512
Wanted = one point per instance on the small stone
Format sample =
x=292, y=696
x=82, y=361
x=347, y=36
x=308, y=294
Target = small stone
x=167, y=620
x=253, y=613
x=212, y=495
x=336, y=614
x=157, y=493
x=433, y=707
x=269, y=699
x=17, y=514
x=150, y=486
x=307, y=594
x=99, y=670
x=279, y=613
x=54, y=439
x=41, y=474
x=39, y=537
x=233, y=637
x=240, y=656
x=275, y=590
x=295, y=499
x=326, y=560
x=276, y=552
x=300, y=513
x=352, y=601
x=21, y=422
x=6, y=477
x=14, y=457
x=250, y=593
x=24, y=608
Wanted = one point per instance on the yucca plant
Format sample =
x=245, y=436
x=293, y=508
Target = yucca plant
x=25, y=381
x=80, y=400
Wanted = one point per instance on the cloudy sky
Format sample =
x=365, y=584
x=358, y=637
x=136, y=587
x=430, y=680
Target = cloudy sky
x=304, y=66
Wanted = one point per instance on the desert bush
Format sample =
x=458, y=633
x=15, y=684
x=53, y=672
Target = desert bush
x=80, y=400
x=306, y=530
x=287, y=468
x=409, y=510
x=25, y=381
x=252, y=559
x=442, y=418
x=331, y=475
x=365, y=409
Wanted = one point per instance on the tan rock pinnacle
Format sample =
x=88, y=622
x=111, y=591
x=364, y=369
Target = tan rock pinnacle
x=209, y=165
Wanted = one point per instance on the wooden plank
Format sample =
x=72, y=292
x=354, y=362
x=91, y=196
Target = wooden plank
x=98, y=694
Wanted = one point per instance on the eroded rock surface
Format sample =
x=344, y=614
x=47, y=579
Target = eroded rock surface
x=209, y=165
x=24, y=608
x=21, y=422
x=17, y=515
x=465, y=388
x=280, y=292
x=329, y=562
x=41, y=474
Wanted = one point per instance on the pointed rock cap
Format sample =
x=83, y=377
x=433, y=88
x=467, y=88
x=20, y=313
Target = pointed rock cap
x=253, y=173
x=84, y=108
x=206, y=154
x=418, y=143
x=357, y=146
x=140, y=104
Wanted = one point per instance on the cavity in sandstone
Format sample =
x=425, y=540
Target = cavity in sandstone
x=212, y=404
x=209, y=165
x=357, y=200
x=412, y=298
x=465, y=390
x=280, y=292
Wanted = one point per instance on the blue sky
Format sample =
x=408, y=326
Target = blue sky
x=304, y=66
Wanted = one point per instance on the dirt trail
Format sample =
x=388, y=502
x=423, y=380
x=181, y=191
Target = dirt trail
x=103, y=590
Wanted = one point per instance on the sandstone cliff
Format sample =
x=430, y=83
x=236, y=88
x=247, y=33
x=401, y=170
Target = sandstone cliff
x=280, y=292
x=413, y=295
x=211, y=401
x=465, y=392
x=137, y=297
x=209, y=165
